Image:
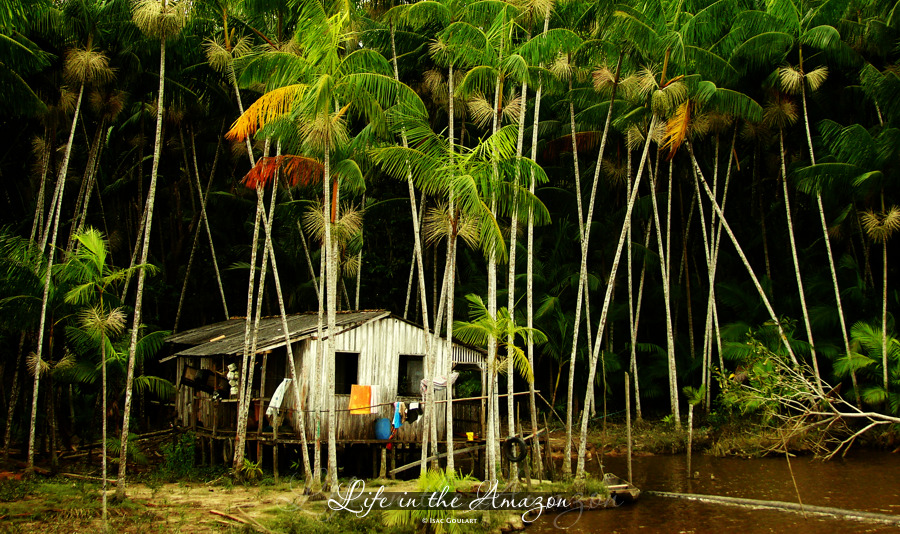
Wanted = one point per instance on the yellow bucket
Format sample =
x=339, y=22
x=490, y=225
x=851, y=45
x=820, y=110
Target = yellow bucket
x=470, y=436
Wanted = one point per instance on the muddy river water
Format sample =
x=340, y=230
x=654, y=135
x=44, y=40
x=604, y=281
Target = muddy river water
x=866, y=481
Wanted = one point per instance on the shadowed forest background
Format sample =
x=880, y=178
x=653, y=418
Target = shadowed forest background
x=536, y=137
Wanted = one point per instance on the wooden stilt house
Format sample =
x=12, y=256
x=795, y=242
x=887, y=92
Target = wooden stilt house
x=372, y=348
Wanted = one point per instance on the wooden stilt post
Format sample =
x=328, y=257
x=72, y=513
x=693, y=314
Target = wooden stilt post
x=260, y=409
x=275, y=426
x=393, y=461
x=383, y=469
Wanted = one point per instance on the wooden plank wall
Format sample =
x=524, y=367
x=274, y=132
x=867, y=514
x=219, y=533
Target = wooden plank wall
x=379, y=345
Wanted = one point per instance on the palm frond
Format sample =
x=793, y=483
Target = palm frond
x=163, y=20
x=677, y=128
x=297, y=170
x=270, y=106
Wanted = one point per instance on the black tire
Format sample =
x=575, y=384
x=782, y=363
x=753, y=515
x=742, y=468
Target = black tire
x=508, y=449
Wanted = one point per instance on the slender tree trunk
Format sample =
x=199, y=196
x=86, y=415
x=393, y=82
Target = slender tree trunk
x=318, y=371
x=13, y=398
x=494, y=437
x=82, y=203
x=296, y=386
x=430, y=413
x=529, y=288
x=712, y=322
x=637, y=320
x=837, y=290
x=582, y=277
x=105, y=419
x=690, y=442
x=884, y=281
x=670, y=338
x=359, y=264
x=450, y=274
x=331, y=265
x=762, y=294
x=592, y=373
x=204, y=195
x=39, y=203
x=794, y=257
x=138, y=307
x=246, y=360
x=60, y=187
x=511, y=287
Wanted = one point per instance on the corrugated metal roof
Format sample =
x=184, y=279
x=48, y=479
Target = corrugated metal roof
x=227, y=337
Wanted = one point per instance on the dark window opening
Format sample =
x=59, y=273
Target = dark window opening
x=346, y=371
x=410, y=375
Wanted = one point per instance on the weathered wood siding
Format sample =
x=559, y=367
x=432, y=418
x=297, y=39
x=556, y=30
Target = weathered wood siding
x=379, y=343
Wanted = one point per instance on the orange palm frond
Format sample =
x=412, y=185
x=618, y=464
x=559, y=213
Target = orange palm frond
x=270, y=106
x=296, y=170
x=677, y=128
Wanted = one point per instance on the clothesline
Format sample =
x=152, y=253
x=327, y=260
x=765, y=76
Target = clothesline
x=391, y=403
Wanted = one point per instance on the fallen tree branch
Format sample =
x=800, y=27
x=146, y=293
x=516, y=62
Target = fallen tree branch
x=841, y=513
x=226, y=516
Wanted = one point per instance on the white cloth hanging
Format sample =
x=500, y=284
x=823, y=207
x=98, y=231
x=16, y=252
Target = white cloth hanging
x=278, y=397
x=440, y=382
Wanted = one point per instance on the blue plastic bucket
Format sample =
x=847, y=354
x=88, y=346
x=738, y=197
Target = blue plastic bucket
x=382, y=428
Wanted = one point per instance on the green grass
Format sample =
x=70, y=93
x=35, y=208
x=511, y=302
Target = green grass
x=56, y=500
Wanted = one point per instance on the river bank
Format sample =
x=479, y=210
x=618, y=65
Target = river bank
x=726, y=463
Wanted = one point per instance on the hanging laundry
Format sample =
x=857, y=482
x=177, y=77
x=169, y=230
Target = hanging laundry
x=440, y=382
x=397, y=420
x=360, y=399
x=402, y=411
x=278, y=398
x=413, y=412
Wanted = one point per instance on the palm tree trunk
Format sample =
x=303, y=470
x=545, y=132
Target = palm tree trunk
x=451, y=269
x=670, y=338
x=529, y=275
x=824, y=223
x=249, y=352
x=298, y=421
x=592, y=373
x=567, y=454
x=331, y=266
x=511, y=288
x=582, y=277
x=105, y=418
x=429, y=414
x=203, y=202
x=39, y=203
x=82, y=202
x=762, y=294
x=493, y=438
x=317, y=370
x=204, y=195
x=359, y=264
x=634, y=331
x=794, y=257
x=712, y=321
x=139, y=298
x=135, y=251
x=884, y=281
x=60, y=187
x=13, y=398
